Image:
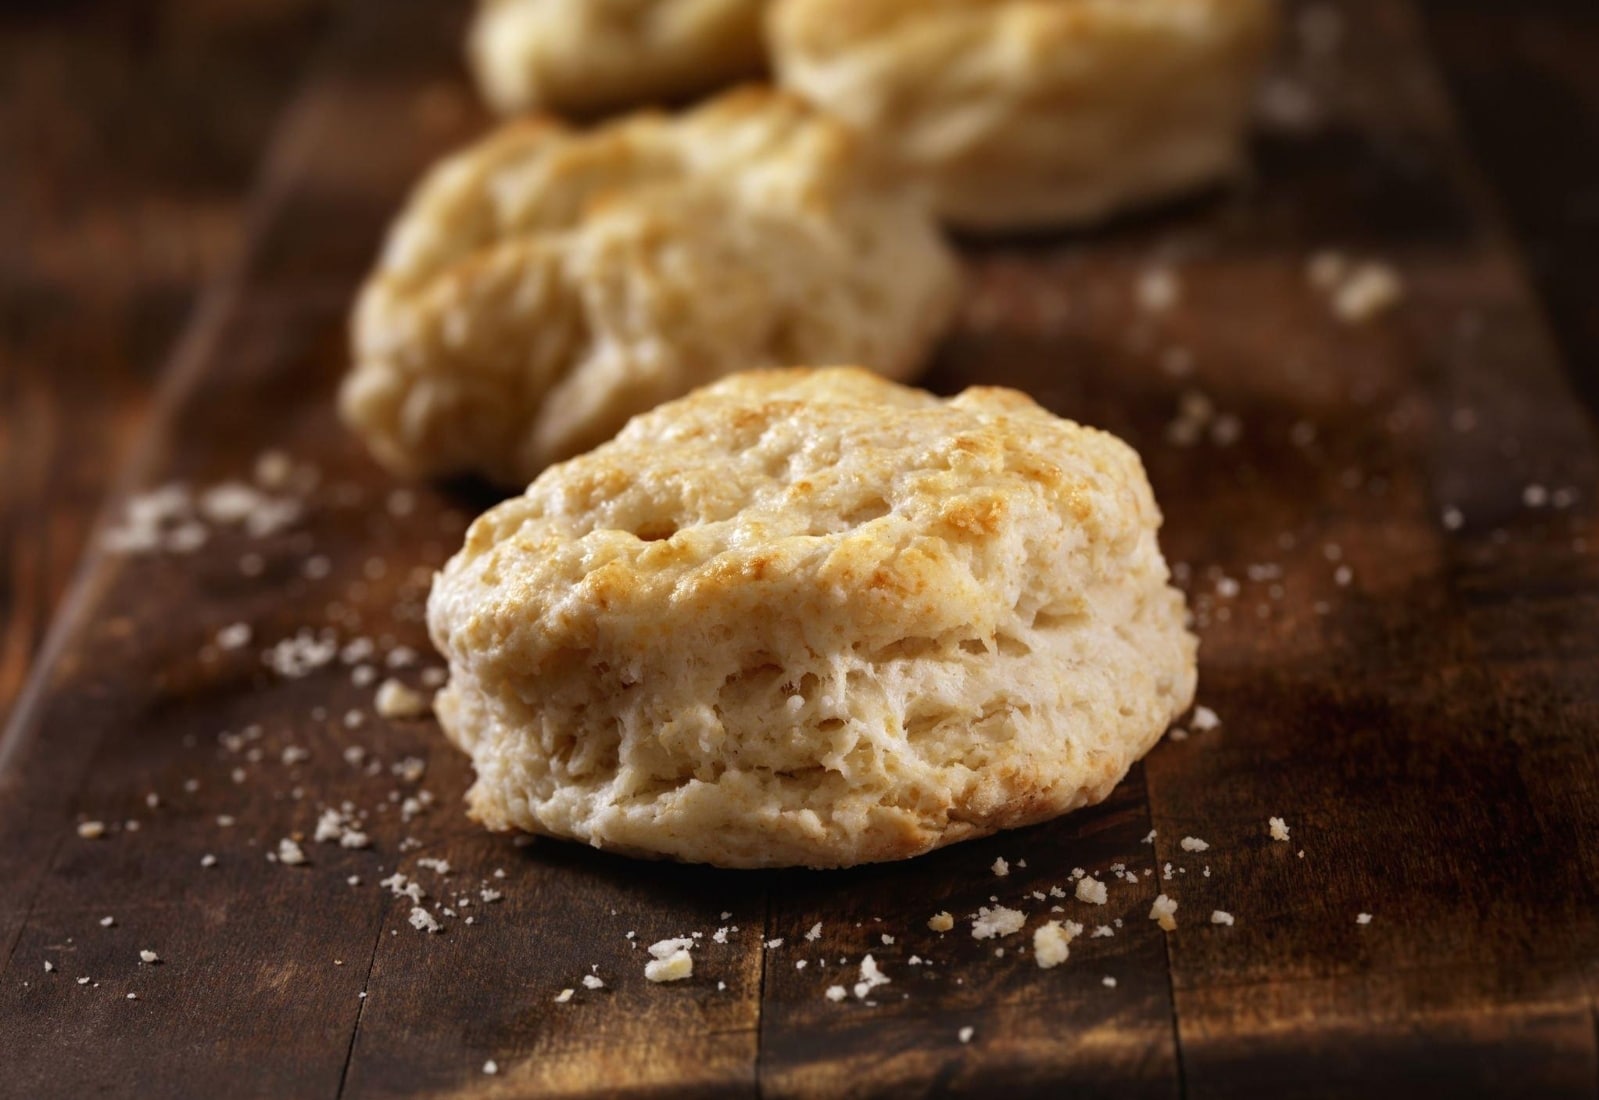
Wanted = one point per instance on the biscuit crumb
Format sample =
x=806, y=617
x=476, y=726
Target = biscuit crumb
x=836, y=993
x=1219, y=916
x=236, y=636
x=941, y=922
x=423, y=921
x=998, y=921
x=1363, y=918
x=149, y=957
x=671, y=962
x=91, y=830
x=563, y=996
x=1093, y=891
x=965, y=1034
x=1000, y=867
x=871, y=977
x=1369, y=291
x=1164, y=913
x=290, y=853
x=1158, y=289
x=1278, y=828
x=1051, y=943
x=1326, y=269
x=1193, y=844
x=491, y=1067
x=395, y=700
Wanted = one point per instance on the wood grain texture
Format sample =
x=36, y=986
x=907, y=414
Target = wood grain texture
x=1526, y=90
x=1412, y=693
x=128, y=137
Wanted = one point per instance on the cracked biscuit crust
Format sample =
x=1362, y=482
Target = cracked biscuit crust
x=811, y=617
x=546, y=284
x=589, y=56
x=1028, y=113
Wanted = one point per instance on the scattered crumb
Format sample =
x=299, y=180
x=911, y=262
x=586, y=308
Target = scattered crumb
x=91, y=830
x=1000, y=867
x=674, y=967
x=998, y=921
x=1051, y=943
x=965, y=1034
x=1326, y=269
x=1193, y=844
x=1158, y=289
x=1091, y=890
x=107, y=922
x=563, y=996
x=1363, y=918
x=491, y=1067
x=1205, y=720
x=836, y=993
x=1219, y=916
x=871, y=977
x=941, y=922
x=1108, y=982
x=236, y=636
x=149, y=957
x=1164, y=913
x=395, y=700
x=423, y=921
x=593, y=981
x=1369, y=291
x=290, y=852
x=816, y=931
x=1278, y=828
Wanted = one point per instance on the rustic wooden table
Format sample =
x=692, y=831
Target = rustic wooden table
x=1388, y=531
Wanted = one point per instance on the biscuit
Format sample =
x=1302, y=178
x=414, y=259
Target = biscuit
x=589, y=56
x=812, y=617
x=1030, y=113
x=546, y=284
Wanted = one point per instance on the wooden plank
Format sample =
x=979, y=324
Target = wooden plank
x=1429, y=738
x=137, y=700
x=1426, y=726
x=1034, y=1031
x=1527, y=93
x=127, y=142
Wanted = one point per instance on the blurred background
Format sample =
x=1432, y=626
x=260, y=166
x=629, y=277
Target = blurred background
x=131, y=130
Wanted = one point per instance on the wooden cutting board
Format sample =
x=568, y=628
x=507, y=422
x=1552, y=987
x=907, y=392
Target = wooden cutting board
x=1386, y=530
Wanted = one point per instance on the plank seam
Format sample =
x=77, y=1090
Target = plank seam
x=184, y=366
x=760, y=998
x=1165, y=947
x=360, y=1011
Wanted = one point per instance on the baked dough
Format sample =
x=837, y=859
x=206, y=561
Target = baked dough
x=811, y=617
x=546, y=284
x=1028, y=113
x=588, y=56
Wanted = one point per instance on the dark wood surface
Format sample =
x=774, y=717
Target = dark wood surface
x=1416, y=697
